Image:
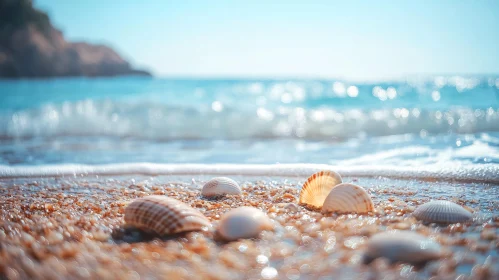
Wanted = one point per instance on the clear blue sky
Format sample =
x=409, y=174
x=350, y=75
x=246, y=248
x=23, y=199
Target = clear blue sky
x=355, y=40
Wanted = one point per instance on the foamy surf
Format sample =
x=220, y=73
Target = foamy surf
x=456, y=173
x=146, y=120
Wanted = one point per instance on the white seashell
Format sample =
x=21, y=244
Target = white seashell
x=402, y=246
x=243, y=222
x=220, y=186
x=164, y=215
x=442, y=212
x=348, y=198
x=317, y=187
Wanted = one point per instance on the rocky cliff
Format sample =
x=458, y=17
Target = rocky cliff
x=31, y=47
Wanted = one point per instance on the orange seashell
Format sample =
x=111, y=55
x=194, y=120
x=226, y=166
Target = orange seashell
x=317, y=187
x=348, y=198
x=164, y=215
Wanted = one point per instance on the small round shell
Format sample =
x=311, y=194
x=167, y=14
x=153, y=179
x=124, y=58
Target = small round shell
x=219, y=186
x=317, y=187
x=348, y=198
x=442, y=212
x=402, y=246
x=243, y=222
x=164, y=215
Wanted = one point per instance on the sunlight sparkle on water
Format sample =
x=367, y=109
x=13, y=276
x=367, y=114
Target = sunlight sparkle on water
x=217, y=106
x=286, y=98
x=391, y=92
x=339, y=89
x=264, y=114
x=353, y=91
x=435, y=95
x=379, y=93
x=269, y=273
x=261, y=259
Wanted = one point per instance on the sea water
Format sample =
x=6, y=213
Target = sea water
x=442, y=124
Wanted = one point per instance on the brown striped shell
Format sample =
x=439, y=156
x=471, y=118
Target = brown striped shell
x=219, y=186
x=164, y=215
x=348, y=198
x=317, y=187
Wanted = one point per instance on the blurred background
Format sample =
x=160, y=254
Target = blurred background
x=338, y=82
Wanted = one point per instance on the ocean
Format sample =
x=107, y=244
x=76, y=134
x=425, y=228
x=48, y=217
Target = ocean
x=441, y=125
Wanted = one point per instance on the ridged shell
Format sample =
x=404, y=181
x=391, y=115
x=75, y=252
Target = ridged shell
x=348, y=198
x=443, y=212
x=164, y=215
x=402, y=246
x=317, y=187
x=243, y=222
x=220, y=186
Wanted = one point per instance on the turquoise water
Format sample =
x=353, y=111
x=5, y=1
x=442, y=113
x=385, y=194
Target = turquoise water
x=432, y=121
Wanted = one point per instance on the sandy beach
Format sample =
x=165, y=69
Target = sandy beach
x=73, y=228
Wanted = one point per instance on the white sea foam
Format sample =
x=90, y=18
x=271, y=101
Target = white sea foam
x=457, y=172
x=145, y=120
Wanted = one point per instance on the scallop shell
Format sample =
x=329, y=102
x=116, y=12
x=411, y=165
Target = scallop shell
x=443, y=212
x=164, y=215
x=317, y=187
x=243, y=222
x=220, y=186
x=348, y=198
x=402, y=246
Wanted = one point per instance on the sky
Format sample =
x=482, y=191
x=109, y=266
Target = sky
x=353, y=40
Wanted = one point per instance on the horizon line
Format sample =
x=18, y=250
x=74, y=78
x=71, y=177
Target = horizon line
x=269, y=77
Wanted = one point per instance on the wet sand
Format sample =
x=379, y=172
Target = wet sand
x=74, y=228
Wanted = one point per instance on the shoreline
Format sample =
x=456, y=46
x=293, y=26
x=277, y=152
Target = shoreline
x=473, y=173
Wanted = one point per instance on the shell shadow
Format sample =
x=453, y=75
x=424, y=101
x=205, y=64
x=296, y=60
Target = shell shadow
x=310, y=207
x=218, y=198
x=129, y=234
x=219, y=240
x=367, y=260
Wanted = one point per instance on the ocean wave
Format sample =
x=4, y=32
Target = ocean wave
x=452, y=173
x=145, y=120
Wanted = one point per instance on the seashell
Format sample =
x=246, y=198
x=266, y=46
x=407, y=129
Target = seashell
x=317, y=187
x=164, y=215
x=402, y=246
x=442, y=212
x=220, y=186
x=348, y=198
x=243, y=222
